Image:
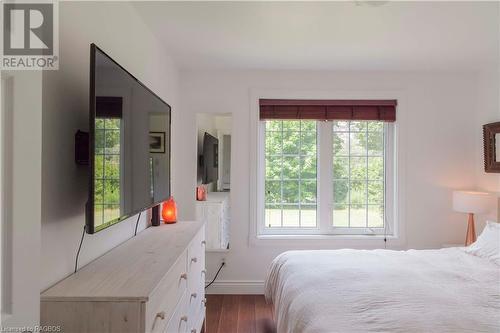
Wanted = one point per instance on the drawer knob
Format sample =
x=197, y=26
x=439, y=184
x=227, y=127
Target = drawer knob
x=193, y=330
x=204, y=302
x=184, y=276
x=194, y=259
x=161, y=315
x=203, y=242
x=184, y=318
x=194, y=295
x=204, y=271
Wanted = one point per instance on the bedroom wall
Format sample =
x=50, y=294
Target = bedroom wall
x=440, y=154
x=119, y=31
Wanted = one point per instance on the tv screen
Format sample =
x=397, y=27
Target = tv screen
x=129, y=145
x=210, y=159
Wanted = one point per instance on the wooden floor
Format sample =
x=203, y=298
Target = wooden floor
x=239, y=314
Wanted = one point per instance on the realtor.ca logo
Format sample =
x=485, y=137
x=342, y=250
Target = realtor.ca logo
x=30, y=39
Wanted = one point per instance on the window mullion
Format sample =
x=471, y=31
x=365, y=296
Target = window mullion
x=325, y=175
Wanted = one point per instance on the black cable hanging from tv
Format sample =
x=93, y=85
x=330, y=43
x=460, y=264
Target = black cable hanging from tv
x=79, y=248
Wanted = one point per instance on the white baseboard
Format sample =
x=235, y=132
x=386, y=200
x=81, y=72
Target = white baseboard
x=236, y=287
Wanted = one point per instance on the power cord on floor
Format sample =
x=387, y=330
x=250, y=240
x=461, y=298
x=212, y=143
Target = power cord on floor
x=79, y=248
x=216, y=274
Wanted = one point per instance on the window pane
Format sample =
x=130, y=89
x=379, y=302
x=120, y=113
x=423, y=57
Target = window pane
x=291, y=125
x=341, y=167
x=99, y=138
x=340, y=215
x=358, y=167
x=308, y=143
x=274, y=125
x=308, y=167
x=358, y=126
x=98, y=214
x=375, y=168
x=273, y=216
x=358, y=174
x=375, y=126
x=375, y=144
x=308, y=216
x=273, y=167
x=357, y=216
x=291, y=216
x=341, y=126
x=99, y=166
x=358, y=192
x=375, y=216
x=308, y=191
x=291, y=167
x=375, y=192
x=291, y=142
x=273, y=143
x=308, y=125
x=358, y=144
x=341, y=191
x=98, y=191
x=290, y=174
x=273, y=191
x=290, y=191
x=341, y=144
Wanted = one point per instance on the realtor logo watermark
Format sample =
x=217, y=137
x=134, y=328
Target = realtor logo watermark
x=30, y=35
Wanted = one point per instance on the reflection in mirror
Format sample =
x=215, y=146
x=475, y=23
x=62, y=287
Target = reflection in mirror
x=497, y=147
x=214, y=178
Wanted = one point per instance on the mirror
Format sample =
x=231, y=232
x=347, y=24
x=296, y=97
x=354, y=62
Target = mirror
x=214, y=178
x=491, y=136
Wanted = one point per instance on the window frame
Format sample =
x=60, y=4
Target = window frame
x=324, y=211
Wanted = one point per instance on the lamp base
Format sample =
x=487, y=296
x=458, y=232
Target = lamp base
x=471, y=231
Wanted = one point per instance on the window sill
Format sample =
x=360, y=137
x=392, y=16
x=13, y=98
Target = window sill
x=329, y=241
x=316, y=236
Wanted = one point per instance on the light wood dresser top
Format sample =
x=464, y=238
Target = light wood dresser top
x=131, y=270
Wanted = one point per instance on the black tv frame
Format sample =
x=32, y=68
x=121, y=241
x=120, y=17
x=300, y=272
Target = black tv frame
x=89, y=207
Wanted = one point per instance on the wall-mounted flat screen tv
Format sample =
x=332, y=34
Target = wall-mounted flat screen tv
x=129, y=138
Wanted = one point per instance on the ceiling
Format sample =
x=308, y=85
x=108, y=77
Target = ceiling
x=350, y=35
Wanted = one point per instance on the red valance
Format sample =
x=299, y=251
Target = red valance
x=290, y=109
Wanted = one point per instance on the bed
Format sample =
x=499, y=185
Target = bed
x=445, y=290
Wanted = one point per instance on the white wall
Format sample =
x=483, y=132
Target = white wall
x=439, y=146
x=120, y=32
x=21, y=173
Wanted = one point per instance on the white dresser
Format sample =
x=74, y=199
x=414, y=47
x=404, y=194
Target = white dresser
x=154, y=282
x=215, y=214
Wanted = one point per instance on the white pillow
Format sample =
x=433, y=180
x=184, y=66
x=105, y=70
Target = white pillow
x=487, y=244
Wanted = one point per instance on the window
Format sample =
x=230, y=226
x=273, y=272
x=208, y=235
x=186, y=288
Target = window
x=358, y=174
x=290, y=174
x=356, y=169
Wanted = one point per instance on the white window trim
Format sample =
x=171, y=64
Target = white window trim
x=311, y=239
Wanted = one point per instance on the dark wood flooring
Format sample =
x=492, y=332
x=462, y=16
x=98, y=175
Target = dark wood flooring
x=239, y=314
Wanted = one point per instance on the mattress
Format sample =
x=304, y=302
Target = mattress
x=446, y=290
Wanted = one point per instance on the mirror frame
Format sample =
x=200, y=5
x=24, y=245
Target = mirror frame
x=490, y=159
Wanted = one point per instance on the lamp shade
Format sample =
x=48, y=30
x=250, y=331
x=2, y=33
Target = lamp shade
x=472, y=202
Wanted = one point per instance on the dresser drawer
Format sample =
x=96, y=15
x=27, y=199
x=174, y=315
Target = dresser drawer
x=178, y=323
x=162, y=302
x=196, y=262
x=197, y=311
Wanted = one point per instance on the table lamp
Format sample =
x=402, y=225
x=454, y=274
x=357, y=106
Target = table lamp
x=471, y=202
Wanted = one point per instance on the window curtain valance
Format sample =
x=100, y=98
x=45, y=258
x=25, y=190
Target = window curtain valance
x=291, y=109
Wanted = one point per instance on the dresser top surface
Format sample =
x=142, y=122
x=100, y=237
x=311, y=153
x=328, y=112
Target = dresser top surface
x=130, y=271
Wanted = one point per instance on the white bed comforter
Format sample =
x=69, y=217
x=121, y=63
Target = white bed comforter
x=441, y=291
